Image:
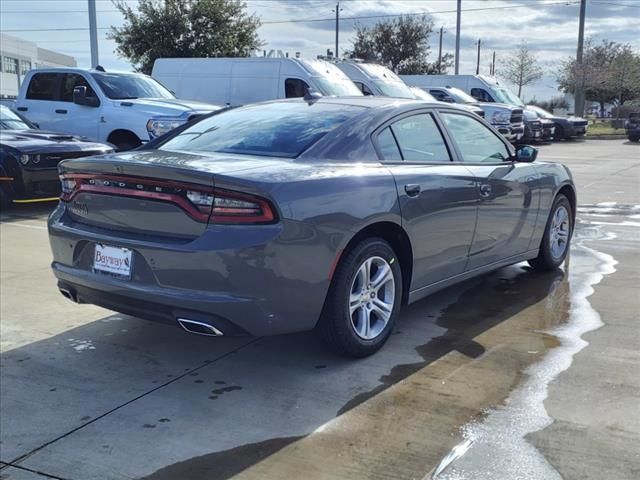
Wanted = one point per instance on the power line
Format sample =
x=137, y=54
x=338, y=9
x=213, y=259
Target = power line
x=315, y=20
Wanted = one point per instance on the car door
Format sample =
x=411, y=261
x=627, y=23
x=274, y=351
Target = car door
x=508, y=192
x=70, y=117
x=40, y=99
x=438, y=199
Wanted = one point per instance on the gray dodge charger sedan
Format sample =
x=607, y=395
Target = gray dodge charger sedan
x=325, y=213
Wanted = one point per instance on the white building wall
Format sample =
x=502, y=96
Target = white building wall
x=18, y=56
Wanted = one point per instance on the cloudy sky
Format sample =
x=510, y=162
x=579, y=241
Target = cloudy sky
x=549, y=27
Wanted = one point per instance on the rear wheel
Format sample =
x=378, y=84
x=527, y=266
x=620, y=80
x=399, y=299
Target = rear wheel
x=557, y=236
x=363, y=300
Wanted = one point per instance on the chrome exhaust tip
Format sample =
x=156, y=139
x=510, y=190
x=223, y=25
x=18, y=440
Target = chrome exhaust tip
x=68, y=294
x=199, y=328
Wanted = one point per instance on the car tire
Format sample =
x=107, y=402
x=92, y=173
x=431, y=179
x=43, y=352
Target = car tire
x=5, y=200
x=358, y=327
x=634, y=139
x=556, y=240
x=559, y=133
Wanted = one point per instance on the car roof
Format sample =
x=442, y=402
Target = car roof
x=370, y=101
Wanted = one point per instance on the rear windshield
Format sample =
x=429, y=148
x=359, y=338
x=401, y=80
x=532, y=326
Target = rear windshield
x=271, y=129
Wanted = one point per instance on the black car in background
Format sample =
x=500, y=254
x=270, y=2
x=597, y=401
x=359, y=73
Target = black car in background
x=632, y=127
x=29, y=159
x=565, y=127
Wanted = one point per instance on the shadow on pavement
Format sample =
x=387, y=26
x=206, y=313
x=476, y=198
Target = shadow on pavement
x=79, y=404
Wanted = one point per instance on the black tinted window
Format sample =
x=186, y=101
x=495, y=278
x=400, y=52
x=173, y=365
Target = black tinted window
x=420, y=139
x=363, y=88
x=44, y=86
x=476, y=142
x=439, y=95
x=276, y=129
x=294, y=88
x=481, y=95
x=71, y=81
x=388, y=146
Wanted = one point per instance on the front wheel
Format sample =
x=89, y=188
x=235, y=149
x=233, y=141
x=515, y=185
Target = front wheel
x=363, y=300
x=557, y=236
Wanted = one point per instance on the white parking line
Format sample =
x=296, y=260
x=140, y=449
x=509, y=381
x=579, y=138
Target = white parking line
x=23, y=225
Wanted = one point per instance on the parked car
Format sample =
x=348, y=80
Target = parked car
x=124, y=109
x=473, y=106
x=420, y=94
x=323, y=213
x=29, y=159
x=565, y=127
x=532, y=127
x=632, y=127
x=240, y=81
x=507, y=118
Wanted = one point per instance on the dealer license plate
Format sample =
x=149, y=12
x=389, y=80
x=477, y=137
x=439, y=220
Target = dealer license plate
x=113, y=260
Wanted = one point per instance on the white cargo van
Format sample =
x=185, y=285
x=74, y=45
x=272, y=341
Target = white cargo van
x=238, y=81
x=480, y=87
x=374, y=79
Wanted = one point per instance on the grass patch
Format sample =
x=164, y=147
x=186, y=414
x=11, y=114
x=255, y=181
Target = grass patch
x=603, y=128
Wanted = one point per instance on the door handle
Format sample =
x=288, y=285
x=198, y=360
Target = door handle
x=22, y=109
x=485, y=190
x=61, y=111
x=412, y=189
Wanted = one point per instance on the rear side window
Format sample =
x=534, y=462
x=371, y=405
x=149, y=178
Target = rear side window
x=294, y=88
x=275, y=129
x=44, y=86
x=388, y=145
x=481, y=95
x=420, y=140
x=71, y=81
x=476, y=142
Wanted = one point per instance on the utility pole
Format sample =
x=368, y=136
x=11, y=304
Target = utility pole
x=478, y=60
x=493, y=65
x=458, y=18
x=337, y=55
x=580, y=94
x=440, y=51
x=93, y=33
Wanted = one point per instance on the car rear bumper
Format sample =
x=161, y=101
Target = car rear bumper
x=238, y=280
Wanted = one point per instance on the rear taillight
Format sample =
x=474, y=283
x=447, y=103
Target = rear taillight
x=200, y=203
x=235, y=207
x=68, y=185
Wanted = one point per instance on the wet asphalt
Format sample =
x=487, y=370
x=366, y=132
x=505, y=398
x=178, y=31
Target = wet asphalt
x=514, y=375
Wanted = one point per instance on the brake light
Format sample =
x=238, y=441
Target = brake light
x=235, y=207
x=68, y=184
x=200, y=203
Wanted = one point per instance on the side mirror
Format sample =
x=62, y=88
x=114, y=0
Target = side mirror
x=526, y=153
x=80, y=97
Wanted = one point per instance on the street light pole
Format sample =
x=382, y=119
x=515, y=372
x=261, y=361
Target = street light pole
x=580, y=94
x=458, y=18
x=337, y=28
x=478, y=60
x=440, y=52
x=93, y=34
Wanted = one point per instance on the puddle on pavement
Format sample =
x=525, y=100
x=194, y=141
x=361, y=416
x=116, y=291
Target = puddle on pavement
x=504, y=338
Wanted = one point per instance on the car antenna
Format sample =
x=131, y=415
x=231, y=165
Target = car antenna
x=99, y=68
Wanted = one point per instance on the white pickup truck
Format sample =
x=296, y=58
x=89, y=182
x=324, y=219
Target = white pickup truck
x=124, y=109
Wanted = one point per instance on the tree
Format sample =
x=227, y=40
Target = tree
x=401, y=44
x=521, y=68
x=184, y=28
x=610, y=72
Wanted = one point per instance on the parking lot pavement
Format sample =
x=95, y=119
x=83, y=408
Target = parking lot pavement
x=512, y=375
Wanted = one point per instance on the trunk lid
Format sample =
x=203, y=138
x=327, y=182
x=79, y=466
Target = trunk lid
x=145, y=192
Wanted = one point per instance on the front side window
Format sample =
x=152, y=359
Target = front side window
x=476, y=142
x=44, y=86
x=481, y=95
x=440, y=95
x=295, y=88
x=277, y=129
x=363, y=88
x=123, y=86
x=71, y=81
x=420, y=140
